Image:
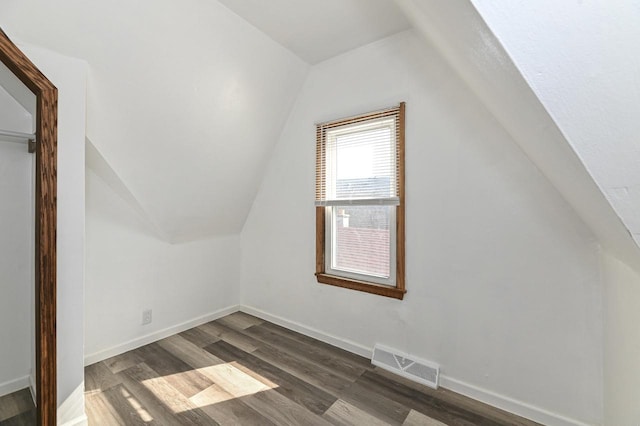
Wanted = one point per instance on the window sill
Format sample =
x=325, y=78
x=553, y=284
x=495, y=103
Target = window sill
x=367, y=287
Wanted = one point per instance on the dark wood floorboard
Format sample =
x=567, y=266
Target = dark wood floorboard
x=313, y=399
x=242, y=370
x=17, y=409
x=353, y=359
x=23, y=419
x=316, y=354
x=199, y=337
x=178, y=373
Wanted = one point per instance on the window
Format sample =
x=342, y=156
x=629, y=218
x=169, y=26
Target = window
x=360, y=202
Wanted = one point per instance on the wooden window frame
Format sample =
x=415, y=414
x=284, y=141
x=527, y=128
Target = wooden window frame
x=46, y=222
x=322, y=276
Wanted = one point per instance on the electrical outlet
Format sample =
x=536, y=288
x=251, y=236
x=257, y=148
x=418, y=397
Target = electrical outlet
x=147, y=317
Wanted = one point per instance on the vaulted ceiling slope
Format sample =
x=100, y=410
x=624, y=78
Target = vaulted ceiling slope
x=318, y=30
x=459, y=31
x=581, y=60
x=185, y=100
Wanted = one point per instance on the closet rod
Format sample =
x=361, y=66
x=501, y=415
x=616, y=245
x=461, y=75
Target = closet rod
x=19, y=135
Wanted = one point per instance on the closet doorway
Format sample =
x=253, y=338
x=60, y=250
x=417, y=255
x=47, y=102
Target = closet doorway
x=45, y=224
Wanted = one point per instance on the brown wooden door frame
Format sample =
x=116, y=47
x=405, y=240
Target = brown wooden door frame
x=45, y=218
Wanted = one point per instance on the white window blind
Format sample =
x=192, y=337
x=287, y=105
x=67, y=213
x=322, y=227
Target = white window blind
x=357, y=160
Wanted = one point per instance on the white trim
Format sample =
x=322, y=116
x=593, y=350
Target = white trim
x=506, y=403
x=78, y=421
x=157, y=335
x=14, y=385
x=33, y=388
x=339, y=342
x=503, y=402
x=71, y=411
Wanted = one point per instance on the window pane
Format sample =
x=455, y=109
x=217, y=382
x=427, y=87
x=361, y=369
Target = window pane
x=362, y=161
x=361, y=241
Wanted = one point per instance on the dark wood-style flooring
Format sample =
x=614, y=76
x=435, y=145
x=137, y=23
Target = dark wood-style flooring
x=241, y=370
x=17, y=409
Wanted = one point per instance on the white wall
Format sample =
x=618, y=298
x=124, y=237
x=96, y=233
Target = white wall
x=502, y=275
x=130, y=269
x=13, y=116
x=69, y=76
x=16, y=265
x=621, y=343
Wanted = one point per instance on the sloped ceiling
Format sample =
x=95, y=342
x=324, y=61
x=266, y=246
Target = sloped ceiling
x=319, y=30
x=185, y=100
x=461, y=34
x=581, y=60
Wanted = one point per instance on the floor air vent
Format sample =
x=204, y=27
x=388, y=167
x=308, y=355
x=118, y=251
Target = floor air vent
x=408, y=366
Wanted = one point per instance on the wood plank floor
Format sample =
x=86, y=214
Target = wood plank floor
x=17, y=409
x=241, y=370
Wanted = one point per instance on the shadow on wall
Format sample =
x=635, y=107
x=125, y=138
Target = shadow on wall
x=97, y=164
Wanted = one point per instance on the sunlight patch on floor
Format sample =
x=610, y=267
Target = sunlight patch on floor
x=230, y=380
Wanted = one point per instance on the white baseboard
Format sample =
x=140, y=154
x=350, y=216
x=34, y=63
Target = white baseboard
x=505, y=403
x=71, y=411
x=341, y=343
x=78, y=421
x=33, y=388
x=14, y=385
x=157, y=335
